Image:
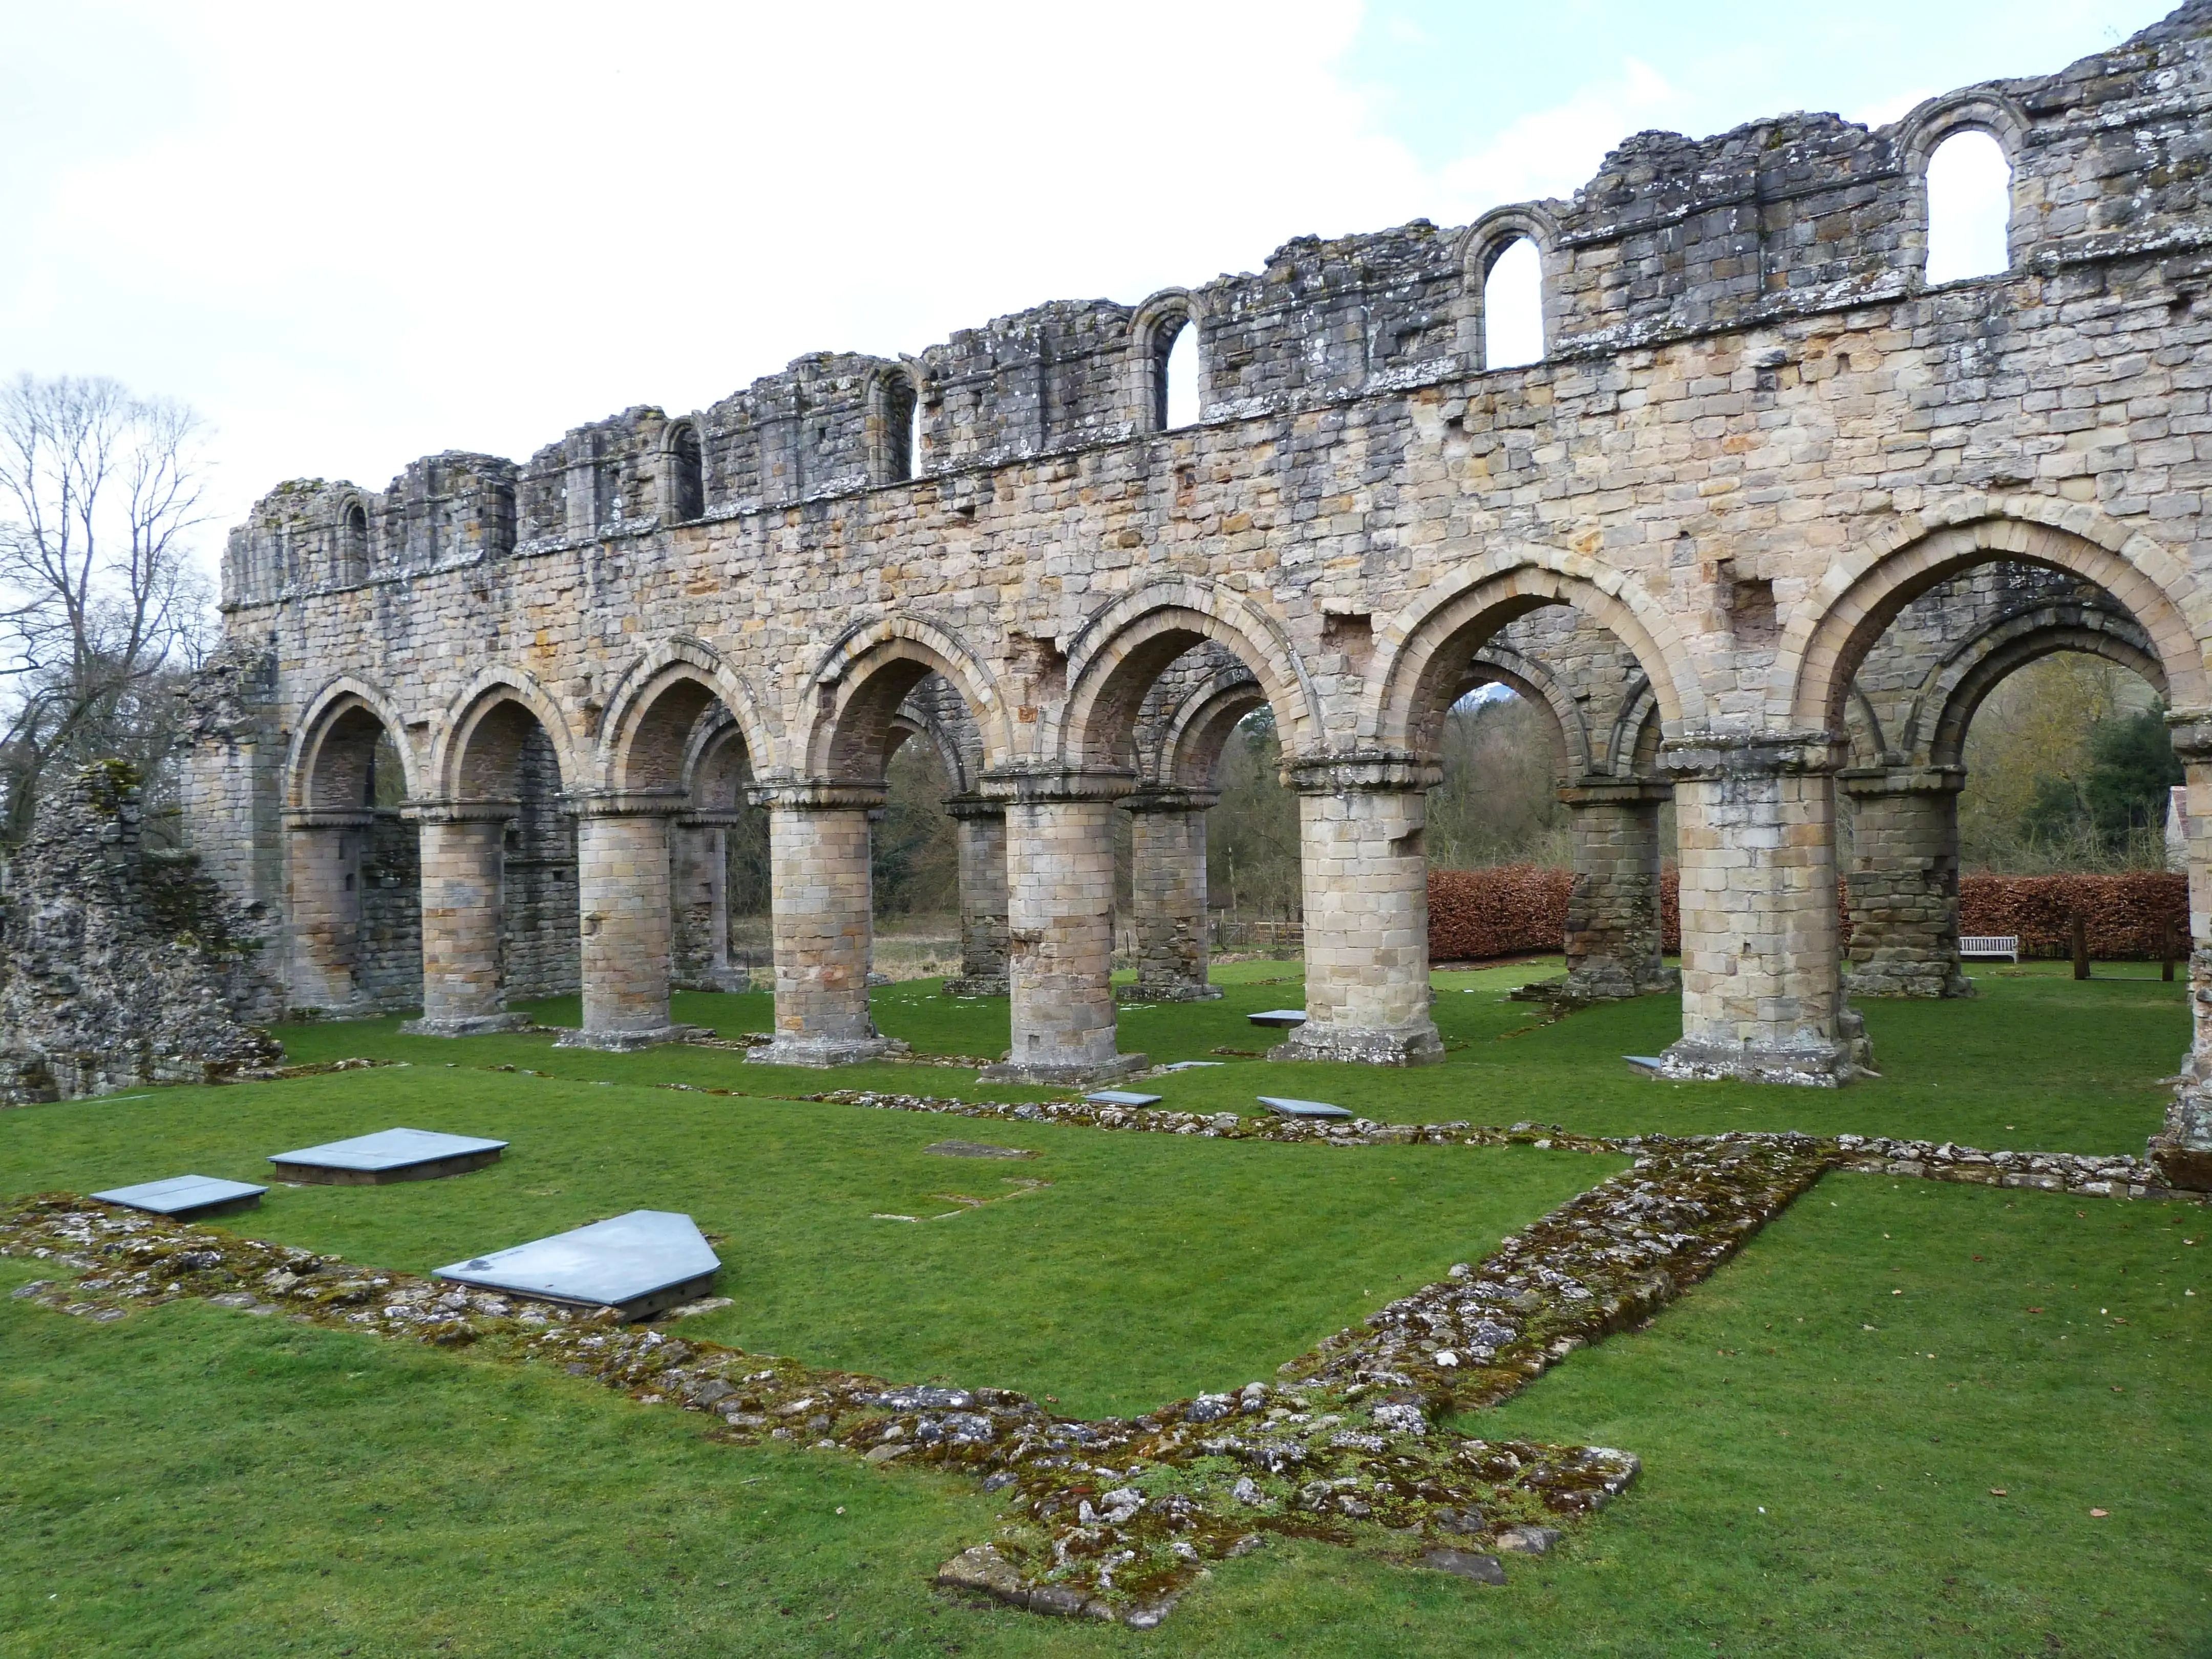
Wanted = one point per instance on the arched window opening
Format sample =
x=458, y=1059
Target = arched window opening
x=1969, y=208
x=914, y=440
x=687, y=484
x=352, y=544
x=1176, y=383
x=1513, y=308
x=901, y=412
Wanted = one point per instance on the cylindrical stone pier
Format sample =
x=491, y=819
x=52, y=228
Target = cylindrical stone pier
x=982, y=826
x=1060, y=914
x=623, y=917
x=1762, y=986
x=323, y=853
x=1365, y=875
x=1615, y=942
x=2183, y=1149
x=462, y=846
x=1903, y=882
x=823, y=927
x=1168, y=893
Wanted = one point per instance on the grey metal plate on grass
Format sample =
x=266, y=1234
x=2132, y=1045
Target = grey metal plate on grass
x=1193, y=1065
x=1647, y=1062
x=1122, y=1097
x=1301, y=1108
x=1282, y=1018
x=974, y=1149
x=387, y=1155
x=637, y=1264
x=188, y=1197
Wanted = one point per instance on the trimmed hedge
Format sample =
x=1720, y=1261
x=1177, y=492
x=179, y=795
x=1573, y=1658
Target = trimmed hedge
x=1521, y=909
x=1511, y=910
x=2125, y=911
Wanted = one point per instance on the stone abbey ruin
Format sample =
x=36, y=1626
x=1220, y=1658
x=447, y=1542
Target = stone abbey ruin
x=1768, y=521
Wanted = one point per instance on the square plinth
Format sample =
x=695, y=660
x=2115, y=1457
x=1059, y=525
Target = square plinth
x=1281, y=1018
x=388, y=1155
x=188, y=1197
x=1300, y=1107
x=1122, y=1097
x=637, y=1264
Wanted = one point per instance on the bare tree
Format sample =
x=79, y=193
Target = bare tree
x=101, y=610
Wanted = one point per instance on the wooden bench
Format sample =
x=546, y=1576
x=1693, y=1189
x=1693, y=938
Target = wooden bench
x=1990, y=947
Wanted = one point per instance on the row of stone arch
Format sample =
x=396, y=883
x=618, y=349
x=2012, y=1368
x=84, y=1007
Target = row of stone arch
x=683, y=737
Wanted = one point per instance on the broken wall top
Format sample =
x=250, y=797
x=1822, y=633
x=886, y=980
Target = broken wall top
x=1780, y=217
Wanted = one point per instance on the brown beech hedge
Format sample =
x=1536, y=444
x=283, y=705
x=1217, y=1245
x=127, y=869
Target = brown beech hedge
x=1521, y=909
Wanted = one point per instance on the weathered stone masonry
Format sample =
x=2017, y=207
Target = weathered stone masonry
x=1758, y=440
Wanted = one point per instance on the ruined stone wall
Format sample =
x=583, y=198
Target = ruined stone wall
x=120, y=965
x=1757, y=435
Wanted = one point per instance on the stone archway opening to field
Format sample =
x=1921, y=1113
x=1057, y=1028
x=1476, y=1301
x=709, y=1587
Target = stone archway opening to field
x=354, y=868
x=718, y=892
x=1549, y=768
x=499, y=867
x=2008, y=717
x=1155, y=685
x=846, y=832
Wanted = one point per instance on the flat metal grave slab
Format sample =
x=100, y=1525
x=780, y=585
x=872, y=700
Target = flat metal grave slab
x=1122, y=1097
x=1193, y=1065
x=638, y=1264
x=1300, y=1107
x=1644, y=1062
x=1281, y=1018
x=188, y=1197
x=388, y=1155
x=974, y=1149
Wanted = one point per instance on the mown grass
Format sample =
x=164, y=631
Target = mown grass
x=195, y=1481
x=1150, y=1266
x=191, y=1481
x=2038, y=1061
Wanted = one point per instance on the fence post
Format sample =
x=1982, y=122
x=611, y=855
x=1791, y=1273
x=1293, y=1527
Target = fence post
x=2080, y=948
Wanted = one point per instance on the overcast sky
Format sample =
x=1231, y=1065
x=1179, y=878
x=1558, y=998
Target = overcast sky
x=349, y=235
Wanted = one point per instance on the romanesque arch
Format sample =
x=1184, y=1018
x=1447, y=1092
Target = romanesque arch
x=1945, y=709
x=1421, y=653
x=333, y=751
x=352, y=865
x=653, y=711
x=863, y=679
x=1113, y=661
x=476, y=749
x=1529, y=678
x=1828, y=637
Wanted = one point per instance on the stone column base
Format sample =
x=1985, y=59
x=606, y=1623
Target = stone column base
x=1936, y=978
x=1810, y=1061
x=1582, y=988
x=1181, y=990
x=976, y=985
x=468, y=1025
x=1419, y=1045
x=622, y=1042
x=2182, y=1151
x=820, y=1052
x=1078, y=1075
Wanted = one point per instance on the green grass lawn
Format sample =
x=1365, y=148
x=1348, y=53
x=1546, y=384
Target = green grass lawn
x=2037, y=1062
x=191, y=1480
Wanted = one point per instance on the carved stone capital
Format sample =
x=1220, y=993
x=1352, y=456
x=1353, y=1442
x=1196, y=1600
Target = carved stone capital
x=1374, y=772
x=816, y=795
x=1707, y=757
x=1068, y=783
